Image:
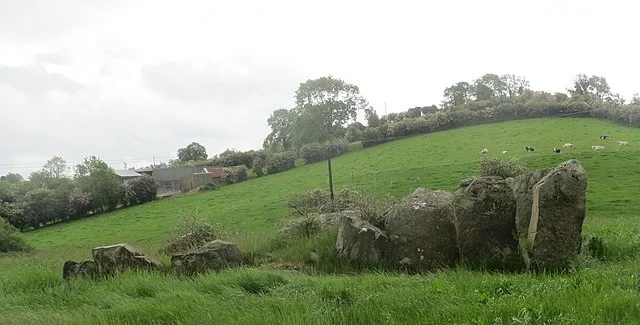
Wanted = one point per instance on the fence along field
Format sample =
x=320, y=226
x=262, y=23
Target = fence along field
x=607, y=291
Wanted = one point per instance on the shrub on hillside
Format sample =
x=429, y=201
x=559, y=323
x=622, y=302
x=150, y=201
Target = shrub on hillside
x=312, y=152
x=493, y=166
x=231, y=158
x=212, y=186
x=10, y=240
x=279, y=162
x=80, y=204
x=258, y=166
x=302, y=227
x=13, y=213
x=318, y=201
x=235, y=174
x=191, y=232
x=337, y=147
x=141, y=190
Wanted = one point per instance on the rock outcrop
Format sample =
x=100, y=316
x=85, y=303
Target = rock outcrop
x=421, y=230
x=360, y=241
x=73, y=269
x=114, y=259
x=110, y=260
x=484, y=211
x=214, y=255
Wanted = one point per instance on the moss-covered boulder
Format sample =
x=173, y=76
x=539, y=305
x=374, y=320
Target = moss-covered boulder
x=422, y=231
x=484, y=216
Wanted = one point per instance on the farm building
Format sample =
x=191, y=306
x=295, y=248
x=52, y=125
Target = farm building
x=126, y=175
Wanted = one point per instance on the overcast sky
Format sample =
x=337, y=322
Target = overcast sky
x=131, y=80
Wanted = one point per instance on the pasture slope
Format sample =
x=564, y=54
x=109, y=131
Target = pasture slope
x=600, y=292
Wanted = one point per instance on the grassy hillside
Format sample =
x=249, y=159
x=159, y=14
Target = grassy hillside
x=31, y=290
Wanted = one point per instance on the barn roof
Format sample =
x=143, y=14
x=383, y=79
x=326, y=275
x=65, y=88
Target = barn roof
x=126, y=173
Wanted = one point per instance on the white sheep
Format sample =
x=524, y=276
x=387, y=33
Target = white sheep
x=504, y=152
x=623, y=143
x=597, y=147
x=567, y=145
x=484, y=151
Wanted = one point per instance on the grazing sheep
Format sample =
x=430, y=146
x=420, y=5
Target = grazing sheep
x=527, y=148
x=604, y=137
x=597, y=147
x=622, y=143
x=556, y=150
x=504, y=152
x=567, y=145
x=484, y=151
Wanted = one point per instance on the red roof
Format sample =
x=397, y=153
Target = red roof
x=216, y=171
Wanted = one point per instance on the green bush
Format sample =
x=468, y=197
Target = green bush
x=315, y=152
x=258, y=166
x=212, y=186
x=312, y=152
x=230, y=158
x=318, y=201
x=493, y=166
x=190, y=233
x=141, y=190
x=79, y=204
x=305, y=226
x=280, y=162
x=235, y=174
x=10, y=241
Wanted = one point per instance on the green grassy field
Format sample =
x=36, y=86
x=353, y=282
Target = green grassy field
x=600, y=292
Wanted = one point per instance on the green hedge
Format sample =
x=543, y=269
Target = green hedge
x=451, y=119
x=279, y=162
x=315, y=152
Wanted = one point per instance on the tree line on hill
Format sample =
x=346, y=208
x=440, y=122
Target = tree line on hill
x=322, y=123
x=323, y=105
x=49, y=196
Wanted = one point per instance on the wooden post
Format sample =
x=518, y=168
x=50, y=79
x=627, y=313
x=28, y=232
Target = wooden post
x=330, y=176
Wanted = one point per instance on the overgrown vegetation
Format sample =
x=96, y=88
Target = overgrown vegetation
x=190, y=233
x=10, y=239
x=505, y=168
x=280, y=162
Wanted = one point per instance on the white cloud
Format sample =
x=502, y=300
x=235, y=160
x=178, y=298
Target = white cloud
x=137, y=79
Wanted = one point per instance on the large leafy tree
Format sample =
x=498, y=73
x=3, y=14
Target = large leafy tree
x=515, y=85
x=56, y=166
x=323, y=107
x=372, y=117
x=489, y=86
x=458, y=94
x=594, y=89
x=95, y=177
x=281, y=123
x=193, y=152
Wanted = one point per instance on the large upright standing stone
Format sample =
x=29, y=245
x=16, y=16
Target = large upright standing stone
x=484, y=211
x=522, y=186
x=421, y=230
x=558, y=210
